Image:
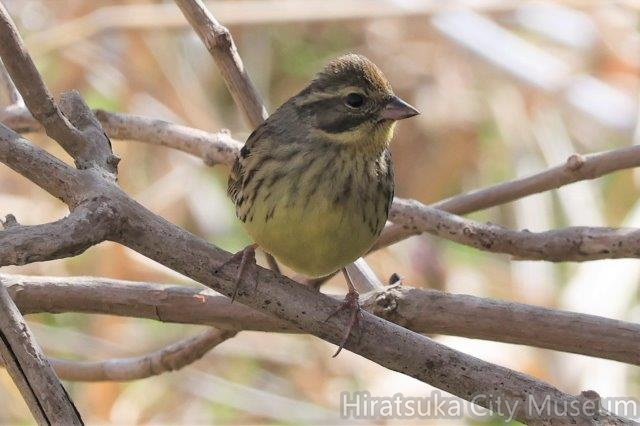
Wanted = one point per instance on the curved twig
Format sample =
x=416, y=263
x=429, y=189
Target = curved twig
x=170, y=358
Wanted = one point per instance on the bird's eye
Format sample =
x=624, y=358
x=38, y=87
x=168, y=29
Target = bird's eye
x=354, y=100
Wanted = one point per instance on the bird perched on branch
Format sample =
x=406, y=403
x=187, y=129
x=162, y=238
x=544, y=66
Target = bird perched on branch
x=314, y=182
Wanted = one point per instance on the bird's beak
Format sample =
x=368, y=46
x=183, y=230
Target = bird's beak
x=397, y=109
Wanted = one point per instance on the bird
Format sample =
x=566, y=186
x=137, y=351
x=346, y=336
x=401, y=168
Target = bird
x=313, y=183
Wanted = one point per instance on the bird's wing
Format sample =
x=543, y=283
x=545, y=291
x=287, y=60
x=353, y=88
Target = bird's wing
x=234, y=187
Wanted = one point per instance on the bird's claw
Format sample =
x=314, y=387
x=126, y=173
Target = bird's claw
x=247, y=259
x=351, y=302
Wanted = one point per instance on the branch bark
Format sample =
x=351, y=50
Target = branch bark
x=420, y=310
x=213, y=148
x=41, y=389
x=577, y=244
x=87, y=225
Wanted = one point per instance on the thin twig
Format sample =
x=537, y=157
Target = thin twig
x=41, y=389
x=213, y=148
x=9, y=89
x=220, y=44
x=170, y=358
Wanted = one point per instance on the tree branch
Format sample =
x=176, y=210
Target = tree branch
x=576, y=168
x=219, y=43
x=420, y=310
x=84, y=143
x=213, y=148
x=577, y=243
x=88, y=225
x=170, y=358
x=45, y=396
x=38, y=166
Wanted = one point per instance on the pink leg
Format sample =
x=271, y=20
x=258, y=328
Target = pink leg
x=247, y=259
x=352, y=304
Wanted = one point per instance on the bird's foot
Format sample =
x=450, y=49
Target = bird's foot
x=351, y=303
x=247, y=259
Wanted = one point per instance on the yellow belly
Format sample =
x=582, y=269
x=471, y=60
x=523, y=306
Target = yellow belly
x=313, y=240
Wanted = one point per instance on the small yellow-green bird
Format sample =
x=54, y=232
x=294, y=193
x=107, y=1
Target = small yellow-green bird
x=314, y=182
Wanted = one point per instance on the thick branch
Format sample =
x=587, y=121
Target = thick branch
x=170, y=358
x=45, y=396
x=423, y=311
x=220, y=44
x=78, y=135
x=87, y=225
x=577, y=244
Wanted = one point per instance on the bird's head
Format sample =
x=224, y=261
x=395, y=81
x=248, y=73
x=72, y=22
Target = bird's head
x=351, y=102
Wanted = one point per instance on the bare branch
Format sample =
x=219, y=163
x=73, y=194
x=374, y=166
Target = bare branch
x=45, y=396
x=86, y=226
x=577, y=244
x=576, y=168
x=85, y=143
x=421, y=310
x=170, y=358
x=213, y=148
x=220, y=44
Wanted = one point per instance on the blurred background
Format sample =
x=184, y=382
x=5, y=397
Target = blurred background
x=506, y=88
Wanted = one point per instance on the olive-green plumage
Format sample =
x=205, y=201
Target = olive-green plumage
x=314, y=182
